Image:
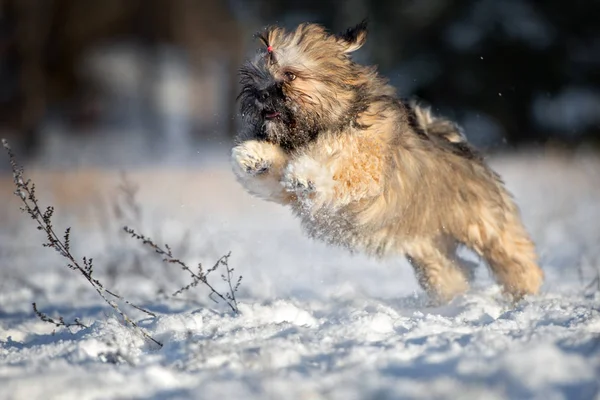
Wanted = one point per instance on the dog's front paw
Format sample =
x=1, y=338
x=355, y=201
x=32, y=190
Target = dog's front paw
x=249, y=158
x=300, y=185
x=308, y=179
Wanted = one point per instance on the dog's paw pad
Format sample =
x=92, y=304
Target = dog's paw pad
x=250, y=162
x=298, y=185
x=257, y=166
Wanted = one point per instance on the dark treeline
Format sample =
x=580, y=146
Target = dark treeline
x=511, y=71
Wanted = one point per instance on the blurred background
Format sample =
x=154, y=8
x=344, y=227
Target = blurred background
x=122, y=82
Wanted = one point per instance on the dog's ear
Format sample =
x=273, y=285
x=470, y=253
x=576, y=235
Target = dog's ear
x=353, y=38
x=263, y=35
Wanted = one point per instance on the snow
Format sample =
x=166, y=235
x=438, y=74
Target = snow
x=315, y=322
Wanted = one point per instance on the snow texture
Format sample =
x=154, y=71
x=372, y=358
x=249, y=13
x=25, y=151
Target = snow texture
x=315, y=321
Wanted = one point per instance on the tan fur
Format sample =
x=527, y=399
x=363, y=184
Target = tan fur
x=377, y=185
x=249, y=156
x=437, y=126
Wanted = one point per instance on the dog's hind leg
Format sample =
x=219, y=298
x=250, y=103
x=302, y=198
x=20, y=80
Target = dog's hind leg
x=510, y=254
x=467, y=268
x=437, y=269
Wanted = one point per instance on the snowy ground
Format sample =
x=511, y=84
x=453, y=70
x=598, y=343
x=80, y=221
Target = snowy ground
x=315, y=322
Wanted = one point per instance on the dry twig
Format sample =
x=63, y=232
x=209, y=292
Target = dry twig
x=26, y=192
x=201, y=276
x=61, y=321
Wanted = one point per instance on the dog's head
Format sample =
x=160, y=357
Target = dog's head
x=303, y=82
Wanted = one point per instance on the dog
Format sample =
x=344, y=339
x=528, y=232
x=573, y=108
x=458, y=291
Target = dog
x=371, y=172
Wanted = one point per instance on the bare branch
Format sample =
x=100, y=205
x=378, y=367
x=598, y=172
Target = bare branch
x=197, y=277
x=61, y=321
x=26, y=192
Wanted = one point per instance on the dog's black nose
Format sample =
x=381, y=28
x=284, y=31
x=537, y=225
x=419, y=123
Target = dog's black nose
x=264, y=94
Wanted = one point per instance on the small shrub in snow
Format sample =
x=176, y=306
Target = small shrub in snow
x=201, y=275
x=26, y=192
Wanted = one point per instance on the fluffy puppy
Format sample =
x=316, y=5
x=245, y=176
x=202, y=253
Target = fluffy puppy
x=366, y=170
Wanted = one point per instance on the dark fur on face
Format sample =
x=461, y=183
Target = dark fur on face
x=303, y=82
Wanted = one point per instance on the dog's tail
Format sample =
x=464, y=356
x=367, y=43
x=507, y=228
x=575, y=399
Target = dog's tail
x=437, y=126
x=444, y=132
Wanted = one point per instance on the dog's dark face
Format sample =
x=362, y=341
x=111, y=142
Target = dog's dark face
x=301, y=83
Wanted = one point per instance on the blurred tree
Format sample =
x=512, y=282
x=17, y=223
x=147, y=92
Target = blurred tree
x=498, y=58
x=522, y=71
x=42, y=43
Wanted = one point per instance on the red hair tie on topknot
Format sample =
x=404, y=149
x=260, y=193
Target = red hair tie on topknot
x=270, y=49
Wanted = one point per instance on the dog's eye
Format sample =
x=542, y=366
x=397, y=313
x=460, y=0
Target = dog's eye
x=289, y=76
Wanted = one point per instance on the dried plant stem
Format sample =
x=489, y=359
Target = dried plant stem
x=60, y=322
x=26, y=192
x=197, y=277
x=232, y=289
